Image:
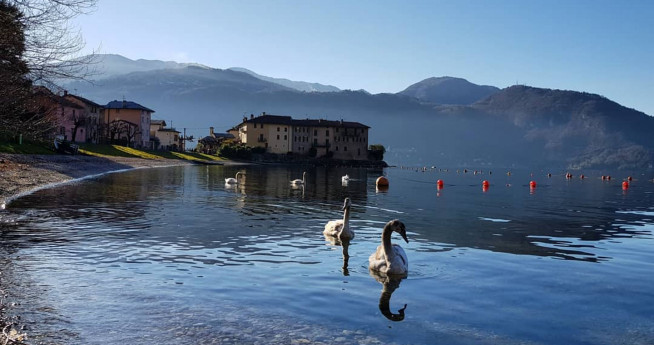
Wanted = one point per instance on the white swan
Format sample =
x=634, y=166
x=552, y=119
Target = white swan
x=340, y=228
x=345, y=178
x=298, y=181
x=390, y=258
x=233, y=180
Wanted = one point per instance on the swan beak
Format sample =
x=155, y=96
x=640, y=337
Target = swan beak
x=403, y=233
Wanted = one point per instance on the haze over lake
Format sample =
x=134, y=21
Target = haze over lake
x=174, y=256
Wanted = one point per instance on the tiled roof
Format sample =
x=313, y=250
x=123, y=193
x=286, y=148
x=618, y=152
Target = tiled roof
x=87, y=101
x=158, y=122
x=287, y=120
x=126, y=105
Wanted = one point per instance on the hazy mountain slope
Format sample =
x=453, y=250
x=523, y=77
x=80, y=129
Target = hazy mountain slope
x=515, y=127
x=297, y=85
x=449, y=90
x=588, y=129
x=109, y=65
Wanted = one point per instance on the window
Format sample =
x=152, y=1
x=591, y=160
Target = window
x=327, y=132
x=278, y=130
x=315, y=132
x=278, y=136
x=284, y=136
x=255, y=125
x=345, y=148
x=315, y=141
x=358, y=152
x=327, y=142
x=336, y=148
x=285, y=129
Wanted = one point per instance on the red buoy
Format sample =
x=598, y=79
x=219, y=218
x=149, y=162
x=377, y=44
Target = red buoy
x=439, y=184
x=532, y=184
x=629, y=178
x=582, y=176
x=485, y=183
x=625, y=185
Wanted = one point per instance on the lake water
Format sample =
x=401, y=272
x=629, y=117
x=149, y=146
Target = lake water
x=173, y=256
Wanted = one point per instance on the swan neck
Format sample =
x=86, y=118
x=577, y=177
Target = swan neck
x=346, y=216
x=386, y=243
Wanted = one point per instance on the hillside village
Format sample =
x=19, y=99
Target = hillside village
x=128, y=123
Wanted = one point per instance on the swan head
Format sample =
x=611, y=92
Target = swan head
x=346, y=204
x=398, y=226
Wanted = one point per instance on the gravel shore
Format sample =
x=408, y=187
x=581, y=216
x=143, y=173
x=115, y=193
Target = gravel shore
x=20, y=174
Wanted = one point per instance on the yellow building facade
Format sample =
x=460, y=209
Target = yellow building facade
x=283, y=134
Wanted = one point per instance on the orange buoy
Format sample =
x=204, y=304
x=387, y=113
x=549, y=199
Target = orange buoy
x=532, y=184
x=625, y=185
x=485, y=183
x=382, y=181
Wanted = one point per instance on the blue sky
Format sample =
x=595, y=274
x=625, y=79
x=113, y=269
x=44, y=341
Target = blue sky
x=598, y=46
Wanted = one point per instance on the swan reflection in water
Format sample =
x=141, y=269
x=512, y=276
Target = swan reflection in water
x=390, y=283
x=345, y=244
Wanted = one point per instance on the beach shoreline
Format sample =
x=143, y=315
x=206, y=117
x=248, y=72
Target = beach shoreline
x=22, y=174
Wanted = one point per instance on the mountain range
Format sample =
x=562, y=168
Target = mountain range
x=441, y=121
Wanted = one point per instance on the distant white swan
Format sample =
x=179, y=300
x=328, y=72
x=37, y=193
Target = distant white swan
x=298, y=181
x=345, y=178
x=233, y=180
x=390, y=258
x=340, y=228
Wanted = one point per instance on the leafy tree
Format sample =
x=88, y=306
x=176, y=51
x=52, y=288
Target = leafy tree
x=15, y=87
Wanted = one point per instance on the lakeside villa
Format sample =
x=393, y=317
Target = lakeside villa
x=80, y=120
x=343, y=140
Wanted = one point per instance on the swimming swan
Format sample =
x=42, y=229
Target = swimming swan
x=345, y=178
x=340, y=228
x=233, y=180
x=298, y=181
x=390, y=258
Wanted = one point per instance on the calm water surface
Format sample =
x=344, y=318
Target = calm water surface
x=173, y=256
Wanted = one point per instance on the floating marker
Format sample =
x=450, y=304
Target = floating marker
x=629, y=178
x=532, y=184
x=485, y=183
x=439, y=184
x=382, y=181
x=625, y=185
x=582, y=176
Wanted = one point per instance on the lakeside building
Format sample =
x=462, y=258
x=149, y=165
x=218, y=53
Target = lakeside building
x=89, y=117
x=127, y=121
x=212, y=142
x=163, y=138
x=64, y=115
x=309, y=137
